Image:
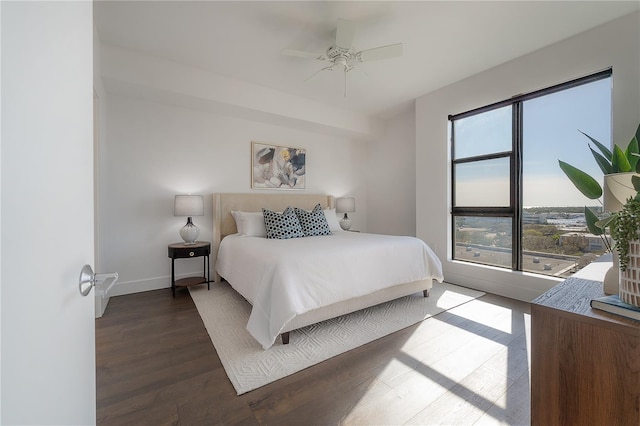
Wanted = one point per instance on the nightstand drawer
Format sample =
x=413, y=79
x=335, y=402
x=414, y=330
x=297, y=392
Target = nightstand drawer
x=188, y=252
x=182, y=251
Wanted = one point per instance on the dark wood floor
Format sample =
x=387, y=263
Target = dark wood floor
x=156, y=365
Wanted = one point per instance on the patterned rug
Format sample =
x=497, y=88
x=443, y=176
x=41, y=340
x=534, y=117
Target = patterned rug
x=225, y=314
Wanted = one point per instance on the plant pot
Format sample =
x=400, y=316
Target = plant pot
x=611, y=282
x=629, y=291
x=617, y=189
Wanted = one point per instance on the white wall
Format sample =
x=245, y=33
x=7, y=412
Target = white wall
x=391, y=177
x=615, y=44
x=157, y=150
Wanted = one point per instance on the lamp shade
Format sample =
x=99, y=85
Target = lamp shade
x=618, y=188
x=188, y=205
x=345, y=205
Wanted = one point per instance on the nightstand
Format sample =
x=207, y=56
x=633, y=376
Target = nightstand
x=185, y=251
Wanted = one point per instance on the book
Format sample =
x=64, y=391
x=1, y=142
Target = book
x=616, y=306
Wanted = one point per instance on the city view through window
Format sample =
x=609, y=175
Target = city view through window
x=554, y=236
x=555, y=240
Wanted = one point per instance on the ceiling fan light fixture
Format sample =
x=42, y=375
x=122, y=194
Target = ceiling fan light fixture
x=342, y=62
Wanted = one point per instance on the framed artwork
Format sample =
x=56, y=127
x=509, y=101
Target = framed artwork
x=277, y=167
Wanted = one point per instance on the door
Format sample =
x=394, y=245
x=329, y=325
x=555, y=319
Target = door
x=46, y=163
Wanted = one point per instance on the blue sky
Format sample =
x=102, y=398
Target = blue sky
x=551, y=125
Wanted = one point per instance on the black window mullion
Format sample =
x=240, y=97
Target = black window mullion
x=482, y=211
x=483, y=157
x=516, y=187
x=453, y=189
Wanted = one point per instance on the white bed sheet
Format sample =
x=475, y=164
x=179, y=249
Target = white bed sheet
x=285, y=278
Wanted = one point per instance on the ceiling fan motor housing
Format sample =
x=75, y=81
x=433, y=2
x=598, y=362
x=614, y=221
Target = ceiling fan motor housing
x=340, y=56
x=337, y=51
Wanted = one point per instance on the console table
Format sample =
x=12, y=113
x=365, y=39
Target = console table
x=585, y=363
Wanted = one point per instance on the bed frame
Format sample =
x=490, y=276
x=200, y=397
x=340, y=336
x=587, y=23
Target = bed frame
x=223, y=225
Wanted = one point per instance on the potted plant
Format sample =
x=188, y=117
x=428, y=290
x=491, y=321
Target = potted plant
x=611, y=162
x=621, y=169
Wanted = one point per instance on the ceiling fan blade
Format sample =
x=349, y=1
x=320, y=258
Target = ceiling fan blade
x=302, y=54
x=383, y=52
x=329, y=68
x=345, y=33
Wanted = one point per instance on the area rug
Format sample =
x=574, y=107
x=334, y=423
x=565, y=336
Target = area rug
x=225, y=314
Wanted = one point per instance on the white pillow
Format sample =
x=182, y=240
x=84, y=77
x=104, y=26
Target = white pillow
x=332, y=220
x=250, y=224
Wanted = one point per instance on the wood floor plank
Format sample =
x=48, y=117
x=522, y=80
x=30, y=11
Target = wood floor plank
x=513, y=408
x=467, y=401
x=156, y=365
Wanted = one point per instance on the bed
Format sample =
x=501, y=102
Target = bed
x=338, y=277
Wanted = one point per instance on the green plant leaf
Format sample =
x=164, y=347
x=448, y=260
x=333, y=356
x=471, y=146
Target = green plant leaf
x=592, y=222
x=603, y=149
x=619, y=161
x=589, y=187
x=603, y=223
x=637, y=135
x=632, y=153
x=605, y=164
x=637, y=167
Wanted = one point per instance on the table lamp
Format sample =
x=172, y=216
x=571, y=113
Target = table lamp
x=189, y=205
x=345, y=205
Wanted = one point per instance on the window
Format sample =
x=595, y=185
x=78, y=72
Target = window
x=512, y=206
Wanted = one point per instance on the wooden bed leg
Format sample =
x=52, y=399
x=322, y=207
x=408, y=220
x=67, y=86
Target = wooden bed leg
x=285, y=338
x=425, y=293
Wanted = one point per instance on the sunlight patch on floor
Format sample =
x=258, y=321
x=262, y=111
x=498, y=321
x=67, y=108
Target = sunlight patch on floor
x=395, y=369
x=487, y=314
x=476, y=359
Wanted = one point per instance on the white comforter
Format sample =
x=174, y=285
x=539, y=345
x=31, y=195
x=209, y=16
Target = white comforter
x=285, y=278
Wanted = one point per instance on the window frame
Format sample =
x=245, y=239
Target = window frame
x=514, y=210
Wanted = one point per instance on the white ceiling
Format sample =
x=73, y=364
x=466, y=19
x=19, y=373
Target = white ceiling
x=443, y=41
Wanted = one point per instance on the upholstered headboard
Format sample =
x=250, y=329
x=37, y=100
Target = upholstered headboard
x=223, y=204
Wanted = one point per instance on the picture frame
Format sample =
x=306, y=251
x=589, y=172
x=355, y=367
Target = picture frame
x=277, y=167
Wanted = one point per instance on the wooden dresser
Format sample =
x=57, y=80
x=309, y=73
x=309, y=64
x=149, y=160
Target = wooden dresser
x=585, y=363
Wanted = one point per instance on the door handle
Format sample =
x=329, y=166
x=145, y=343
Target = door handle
x=88, y=279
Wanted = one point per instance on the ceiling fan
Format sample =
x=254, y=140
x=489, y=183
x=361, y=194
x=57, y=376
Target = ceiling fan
x=342, y=55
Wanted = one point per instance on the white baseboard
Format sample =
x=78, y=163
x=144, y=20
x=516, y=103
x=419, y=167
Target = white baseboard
x=511, y=290
x=138, y=286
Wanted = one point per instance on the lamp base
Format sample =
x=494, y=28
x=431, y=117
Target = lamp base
x=189, y=232
x=345, y=223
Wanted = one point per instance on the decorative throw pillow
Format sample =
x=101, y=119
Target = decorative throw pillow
x=282, y=226
x=332, y=220
x=314, y=222
x=250, y=224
